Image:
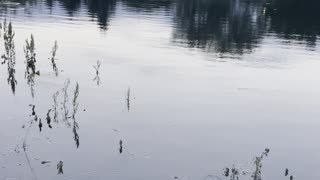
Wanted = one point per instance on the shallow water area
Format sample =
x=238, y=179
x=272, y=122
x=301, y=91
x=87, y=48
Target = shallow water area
x=185, y=89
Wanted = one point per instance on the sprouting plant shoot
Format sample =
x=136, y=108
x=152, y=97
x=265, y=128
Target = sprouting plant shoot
x=97, y=68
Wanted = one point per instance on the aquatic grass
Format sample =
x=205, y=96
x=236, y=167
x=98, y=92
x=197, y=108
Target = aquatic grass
x=8, y=35
x=76, y=136
x=9, y=55
x=55, y=106
x=30, y=81
x=234, y=172
x=65, y=101
x=30, y=56
x=97, y=68
x=68, y=119
x=258, y=164
x=53, y=58
x=75, y=105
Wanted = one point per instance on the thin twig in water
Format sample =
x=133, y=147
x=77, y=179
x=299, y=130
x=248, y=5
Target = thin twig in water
x=48, y=118
x=30, y=166
x=65, y=101
x=75, y=105
x=53, y=58
x=55, y=106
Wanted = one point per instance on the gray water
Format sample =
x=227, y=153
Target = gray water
x=189, y=86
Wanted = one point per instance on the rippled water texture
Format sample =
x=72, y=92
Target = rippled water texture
x=159, y=89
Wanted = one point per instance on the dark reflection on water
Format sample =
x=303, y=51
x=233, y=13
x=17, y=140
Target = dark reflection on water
x=238, y=26
x=220, y=25
x=102, y=10
x=224, y=26
x=295, y=19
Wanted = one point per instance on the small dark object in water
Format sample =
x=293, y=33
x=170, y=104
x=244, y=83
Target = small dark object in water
x=121, y=147
x=291, y=177
x=226, y=172
x=60, y=167
x=176, y=177
x=84, y=110
x=235, y=174
x=33, y=107
x=40, y=125
x=286, y=172
x=128, y=99
x=49, y=118
x=45, y=162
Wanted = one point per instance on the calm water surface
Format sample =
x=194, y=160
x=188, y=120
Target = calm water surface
x=212, y=83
